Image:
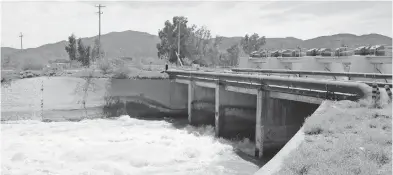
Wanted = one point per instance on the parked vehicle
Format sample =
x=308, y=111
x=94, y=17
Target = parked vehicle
x=324, y=52
x=258, y=54
x=342, y=51
x=311, y=52
x=362, y=50
x=275, y=53
x=288, y=53
x=378, y=50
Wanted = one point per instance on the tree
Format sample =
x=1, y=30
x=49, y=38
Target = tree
x=218, y=40
x=252, y=43
x=83, y=53
x=196, y=43
x=213, y=54
x=71, y=47
x=96, y=48
x=169, y=39
x=233, y=54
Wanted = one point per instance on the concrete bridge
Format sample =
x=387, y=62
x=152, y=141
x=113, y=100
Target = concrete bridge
x=354, y=63
x=267, y=109
x=266, y=106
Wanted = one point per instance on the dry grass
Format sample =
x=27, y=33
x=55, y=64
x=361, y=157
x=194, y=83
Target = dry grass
x=346, y=138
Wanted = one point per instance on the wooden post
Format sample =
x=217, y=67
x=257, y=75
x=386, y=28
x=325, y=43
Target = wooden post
x=217, y=111
x=190, y=99
x=261, y=115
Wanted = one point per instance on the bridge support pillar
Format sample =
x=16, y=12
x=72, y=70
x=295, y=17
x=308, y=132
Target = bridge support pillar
x=191, y=92
x=262, y=113
x=361, y=65
x=218, y=114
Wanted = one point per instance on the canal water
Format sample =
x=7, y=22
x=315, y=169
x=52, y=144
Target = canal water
x=119, y=146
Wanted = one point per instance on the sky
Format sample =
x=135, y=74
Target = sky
x=43, y=22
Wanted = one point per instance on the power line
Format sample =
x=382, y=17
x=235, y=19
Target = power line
x=21, y=36
x=99, y=27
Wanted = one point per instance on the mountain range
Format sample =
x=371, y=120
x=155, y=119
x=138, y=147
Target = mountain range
x=140, y=44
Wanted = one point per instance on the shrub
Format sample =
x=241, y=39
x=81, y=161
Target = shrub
x=121, y=73
x=51, y=71
x=116, y=62
x=113, y=107
x=104, y=65
x=31, y=65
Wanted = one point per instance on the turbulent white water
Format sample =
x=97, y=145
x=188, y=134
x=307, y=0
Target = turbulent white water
x=113, y=147
x=121, y=146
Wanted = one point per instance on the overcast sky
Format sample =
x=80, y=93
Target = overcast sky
x=50, y=22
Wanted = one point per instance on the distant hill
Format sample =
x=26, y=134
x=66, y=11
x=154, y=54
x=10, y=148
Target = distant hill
x=141, y=44
x=115, y=44
x=8, y=50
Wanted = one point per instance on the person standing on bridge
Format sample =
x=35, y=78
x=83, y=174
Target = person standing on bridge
x=166, y=67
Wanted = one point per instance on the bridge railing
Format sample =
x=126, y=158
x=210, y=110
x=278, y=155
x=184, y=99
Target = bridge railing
x=308, y=87
x=323, y=73
x=349, y=75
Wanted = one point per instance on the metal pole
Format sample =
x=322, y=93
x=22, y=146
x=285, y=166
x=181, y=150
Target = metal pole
x=99, y=28
x=178, y=41
x=21, y=45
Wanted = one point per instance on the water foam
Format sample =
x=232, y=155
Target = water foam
x=121, y=146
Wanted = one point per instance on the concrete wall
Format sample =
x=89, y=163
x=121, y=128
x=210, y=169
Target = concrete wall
x=284, y=120
x=148, y=98
x=274, y=164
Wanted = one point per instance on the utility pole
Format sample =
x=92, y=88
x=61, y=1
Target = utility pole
x=178, y=42
x=21, y=45
x=99, y=28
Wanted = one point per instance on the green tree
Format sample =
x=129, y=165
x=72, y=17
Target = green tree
x=83, y=53
x=71, y=47
x=252, y=43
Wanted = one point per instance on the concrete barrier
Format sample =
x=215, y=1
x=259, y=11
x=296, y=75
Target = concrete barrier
x=276, y=162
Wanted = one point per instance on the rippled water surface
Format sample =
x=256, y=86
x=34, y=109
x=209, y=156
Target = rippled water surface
x=101, y=146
